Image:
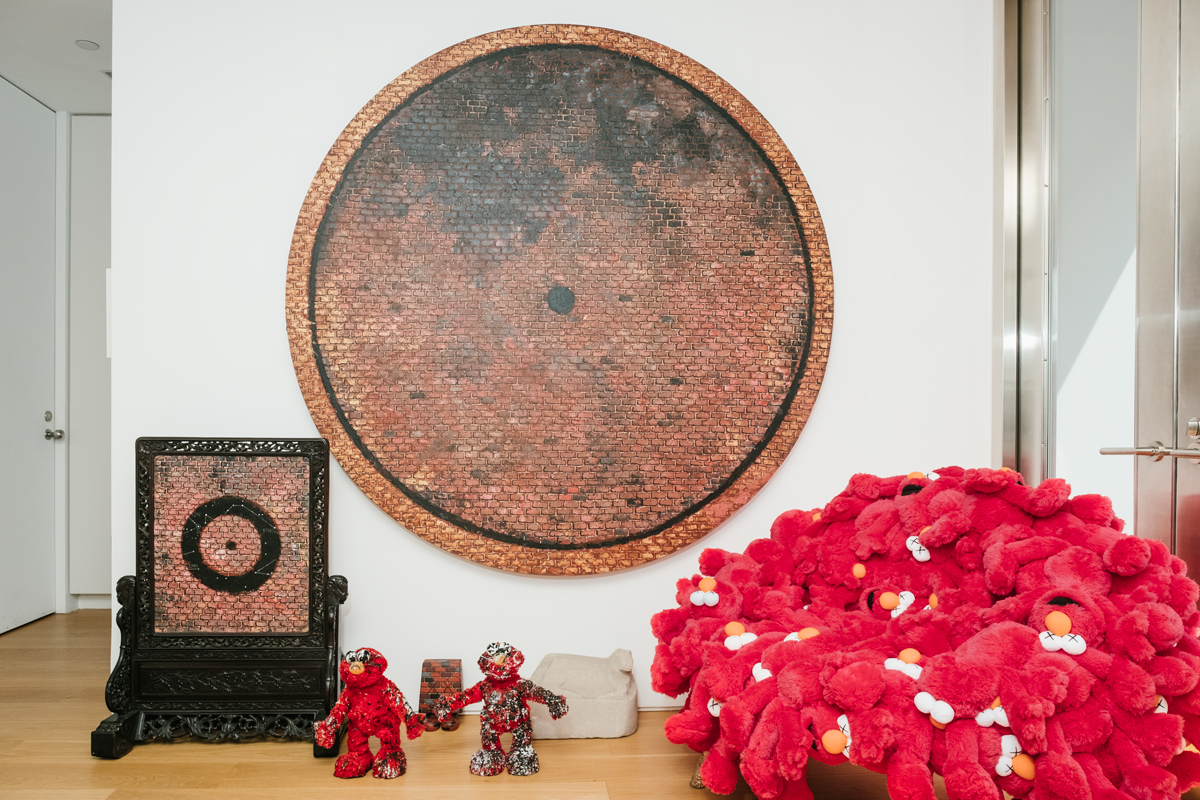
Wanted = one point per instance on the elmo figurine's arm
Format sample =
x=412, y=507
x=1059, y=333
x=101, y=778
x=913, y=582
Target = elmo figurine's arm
x=325, y=731
x=414, y=724
x=446, y=706
x=555, y=703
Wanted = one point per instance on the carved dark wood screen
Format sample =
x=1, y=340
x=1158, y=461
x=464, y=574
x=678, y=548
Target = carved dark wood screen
x=229, y=629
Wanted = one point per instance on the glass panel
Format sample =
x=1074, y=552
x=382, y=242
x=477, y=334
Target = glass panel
x=1093, y=133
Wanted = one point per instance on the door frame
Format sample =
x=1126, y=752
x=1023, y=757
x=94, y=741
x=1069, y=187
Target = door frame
x=1022, y=331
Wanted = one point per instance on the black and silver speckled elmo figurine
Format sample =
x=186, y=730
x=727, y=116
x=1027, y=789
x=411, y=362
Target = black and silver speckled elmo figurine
x=505, y=696
x=375, y=707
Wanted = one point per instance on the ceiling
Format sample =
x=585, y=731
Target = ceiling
x=38, y=52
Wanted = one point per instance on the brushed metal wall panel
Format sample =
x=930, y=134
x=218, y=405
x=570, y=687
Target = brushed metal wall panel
x=1187, y=472
x=1158, y=84
x=1032, y=388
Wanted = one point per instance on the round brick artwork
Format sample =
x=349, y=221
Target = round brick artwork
x=560, y=299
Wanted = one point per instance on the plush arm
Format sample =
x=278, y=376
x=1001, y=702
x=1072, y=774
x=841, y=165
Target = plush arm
x=446, y=706
x=325, y=731
x=414, y=724
x=557, y=704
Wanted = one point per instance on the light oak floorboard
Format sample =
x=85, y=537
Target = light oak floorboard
x=52, y=676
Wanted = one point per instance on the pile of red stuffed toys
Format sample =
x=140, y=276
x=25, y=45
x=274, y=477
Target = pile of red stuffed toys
x=961, y=623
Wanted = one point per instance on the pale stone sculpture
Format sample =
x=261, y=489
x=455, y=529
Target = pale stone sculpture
x=600, y=691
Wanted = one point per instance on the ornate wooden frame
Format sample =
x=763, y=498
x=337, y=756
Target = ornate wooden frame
x=219, y=686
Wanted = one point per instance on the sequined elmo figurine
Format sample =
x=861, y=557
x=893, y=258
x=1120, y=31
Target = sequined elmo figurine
x=375, y=707
x=505, y=695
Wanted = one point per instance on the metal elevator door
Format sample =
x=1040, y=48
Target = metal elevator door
x=1167, y=500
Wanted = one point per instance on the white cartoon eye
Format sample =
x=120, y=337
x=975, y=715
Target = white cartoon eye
x=740, y=640
x=760, y=672
x=1161, y=707
x=697, y=598
x=924, y=702
x=906, y=600
x=985, y=718
x=1009, y=749
x=911, y=670
x=918, y=550
x=1073, y=644
x=792, y=637
x=933, y=476
x=943, y=712
x=843, y=723
x=1001, y=716
x=711, y=599
x=714, y=707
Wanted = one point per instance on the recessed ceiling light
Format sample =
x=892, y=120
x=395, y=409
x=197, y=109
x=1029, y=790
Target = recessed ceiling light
x=84, y=44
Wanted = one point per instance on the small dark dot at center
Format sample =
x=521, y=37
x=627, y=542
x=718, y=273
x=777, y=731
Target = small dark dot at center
x=561, y=300
x=231, y=545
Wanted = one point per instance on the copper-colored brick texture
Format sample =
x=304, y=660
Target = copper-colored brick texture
x=440, y=677
x=230, y=545
x=561, y=300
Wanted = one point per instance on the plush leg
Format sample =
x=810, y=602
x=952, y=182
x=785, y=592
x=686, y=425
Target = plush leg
x=390, y=762
x=489, y=759
x=357, y=760
x=522, y=760
x=965, y=778
x=1102, y=788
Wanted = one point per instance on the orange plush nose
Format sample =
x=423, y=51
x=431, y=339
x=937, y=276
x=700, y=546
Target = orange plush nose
x=833, y=740
x=889, y=600
x=859, y=570
x=1023, y=764
x=909, y=655
x=808, y=633
x=734, y=628
x=1058, y=623
x=707, y=584
x=356, y=668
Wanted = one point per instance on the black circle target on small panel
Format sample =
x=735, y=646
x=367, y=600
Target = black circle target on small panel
x=248, y=510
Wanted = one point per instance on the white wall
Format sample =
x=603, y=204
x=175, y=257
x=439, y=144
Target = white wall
x=223, y=112
x=90, y=492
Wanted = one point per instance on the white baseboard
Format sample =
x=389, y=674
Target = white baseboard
x=94, y=600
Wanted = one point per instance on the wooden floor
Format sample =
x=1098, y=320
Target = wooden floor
x=52, y=675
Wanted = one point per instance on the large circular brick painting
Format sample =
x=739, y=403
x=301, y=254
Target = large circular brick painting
x=560, y=299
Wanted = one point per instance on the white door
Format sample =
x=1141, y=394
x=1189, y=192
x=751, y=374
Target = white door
x=27, y=164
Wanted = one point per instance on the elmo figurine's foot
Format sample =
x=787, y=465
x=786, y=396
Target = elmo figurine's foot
x=522, y=761
x=390, y=765
x=451, y=723
x=487, y=763
x=431, y=723
x=352, y=765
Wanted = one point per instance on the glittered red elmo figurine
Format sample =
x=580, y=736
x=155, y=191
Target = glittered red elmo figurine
x=374, y=707
x=505, y=695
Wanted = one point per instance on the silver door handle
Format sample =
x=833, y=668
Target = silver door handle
x=58, y=434
x=1158, y=451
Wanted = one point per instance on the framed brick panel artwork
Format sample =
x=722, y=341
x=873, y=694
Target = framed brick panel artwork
x=229, y=626
x=560, y=299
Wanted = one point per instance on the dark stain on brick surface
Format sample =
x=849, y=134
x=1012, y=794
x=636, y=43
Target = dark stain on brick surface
x=526, y=176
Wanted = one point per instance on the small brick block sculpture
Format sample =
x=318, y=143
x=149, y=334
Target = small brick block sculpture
x=440, y=677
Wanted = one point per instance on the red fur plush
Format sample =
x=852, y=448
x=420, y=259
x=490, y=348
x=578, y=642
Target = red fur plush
x=1005, y=636
x=373, y=706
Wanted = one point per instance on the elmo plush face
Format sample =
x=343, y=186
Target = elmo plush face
x=501, y=661
x=362, y=667
x=1067, y=619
